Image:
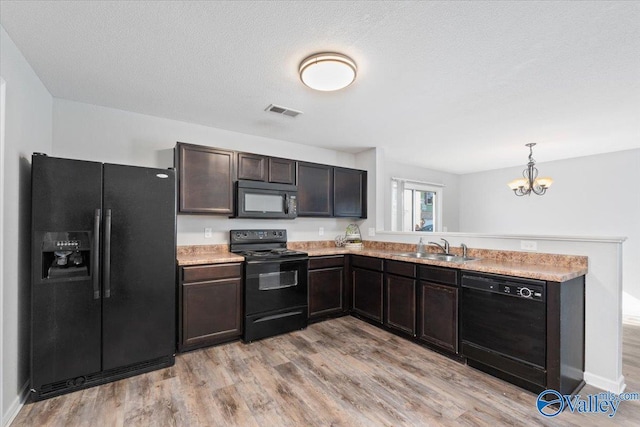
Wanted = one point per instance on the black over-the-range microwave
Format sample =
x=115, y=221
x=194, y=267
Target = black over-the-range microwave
x=266, y=200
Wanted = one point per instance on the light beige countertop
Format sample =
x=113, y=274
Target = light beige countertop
x=206, y=254
x=550, y=267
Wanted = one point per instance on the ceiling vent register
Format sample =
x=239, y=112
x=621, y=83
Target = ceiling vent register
x=283, y=110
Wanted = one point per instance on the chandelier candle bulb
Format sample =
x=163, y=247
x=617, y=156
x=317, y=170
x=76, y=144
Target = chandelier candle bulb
x=544, y=182
x=517, y=183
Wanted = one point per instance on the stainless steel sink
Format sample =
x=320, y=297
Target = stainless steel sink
x=437, y=256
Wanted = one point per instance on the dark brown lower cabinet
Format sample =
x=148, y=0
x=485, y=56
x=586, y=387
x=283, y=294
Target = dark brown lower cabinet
x=401, y=303
x=400, y=296
x=367, y=293
x=438, y=315
x=211, y=305
x=326, y=286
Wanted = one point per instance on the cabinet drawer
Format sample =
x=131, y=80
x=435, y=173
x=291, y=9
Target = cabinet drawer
x=444, y=275
x=400, y=268
x=366, y=262
x=211, y=272
x=316, y=263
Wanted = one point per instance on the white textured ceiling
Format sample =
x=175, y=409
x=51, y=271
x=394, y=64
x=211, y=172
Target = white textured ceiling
x=455, y=86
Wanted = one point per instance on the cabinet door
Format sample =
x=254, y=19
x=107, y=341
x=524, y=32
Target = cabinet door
x=400, y=309
x=252, y=167
x=349, y=193
x=205, y=179
x=438, y=318
x=282, y=171
x=367, y=293
x=211, y=311
x=315, y=190
x=326, y=287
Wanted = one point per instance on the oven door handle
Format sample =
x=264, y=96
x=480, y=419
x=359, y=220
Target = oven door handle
x=279, y=261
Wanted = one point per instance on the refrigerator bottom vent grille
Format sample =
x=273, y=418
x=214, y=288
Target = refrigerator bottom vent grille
x=60, y=387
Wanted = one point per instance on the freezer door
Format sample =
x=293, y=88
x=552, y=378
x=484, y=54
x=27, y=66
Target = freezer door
x=65, y=310
x=139, y=281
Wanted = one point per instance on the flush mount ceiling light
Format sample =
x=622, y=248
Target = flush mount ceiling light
x=327, y=71
x=530, y=183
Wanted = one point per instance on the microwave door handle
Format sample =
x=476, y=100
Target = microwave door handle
x=286, y=204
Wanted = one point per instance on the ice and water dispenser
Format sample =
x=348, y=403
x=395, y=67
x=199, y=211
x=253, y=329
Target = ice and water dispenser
x=66, y=255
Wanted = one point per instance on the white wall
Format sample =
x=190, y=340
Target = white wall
x=28, y=124
x=90, y=132
x=450, y=196
x=590, y=196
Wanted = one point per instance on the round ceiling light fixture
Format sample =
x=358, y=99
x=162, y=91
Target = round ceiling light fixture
x=328, y=71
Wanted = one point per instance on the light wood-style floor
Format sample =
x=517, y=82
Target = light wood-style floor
x=341, y=372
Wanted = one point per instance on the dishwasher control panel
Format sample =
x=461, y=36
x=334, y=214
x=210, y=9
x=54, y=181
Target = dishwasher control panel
x=522, y=291
x=533, y=290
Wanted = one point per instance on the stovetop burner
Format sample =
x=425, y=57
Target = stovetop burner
x=273, y=253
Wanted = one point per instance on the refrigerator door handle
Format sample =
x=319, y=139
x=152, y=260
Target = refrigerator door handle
x=106, y=267
x=95, y=259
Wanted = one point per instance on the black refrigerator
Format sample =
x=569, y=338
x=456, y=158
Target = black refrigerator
x=103, y=294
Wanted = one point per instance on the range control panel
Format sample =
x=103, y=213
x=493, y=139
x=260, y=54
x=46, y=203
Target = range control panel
x=257, y=236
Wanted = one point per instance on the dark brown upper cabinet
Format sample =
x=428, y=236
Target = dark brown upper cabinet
x=205, y=179
x=315, y=189
x=252, y=167
x=255, y=167
x=349, y=193
x=282, y=171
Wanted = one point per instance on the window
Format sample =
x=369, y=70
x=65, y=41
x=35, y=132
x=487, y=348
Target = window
x=415, y=206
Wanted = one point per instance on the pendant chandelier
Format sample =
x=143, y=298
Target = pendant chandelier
x=530, y=183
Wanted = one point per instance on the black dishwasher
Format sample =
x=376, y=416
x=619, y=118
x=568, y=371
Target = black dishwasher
x=503, y=328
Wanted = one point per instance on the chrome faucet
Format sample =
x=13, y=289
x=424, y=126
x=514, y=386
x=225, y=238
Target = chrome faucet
x=445, y=248
x=464, y=249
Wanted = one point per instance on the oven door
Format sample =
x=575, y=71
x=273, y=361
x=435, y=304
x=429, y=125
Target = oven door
x=275, y=284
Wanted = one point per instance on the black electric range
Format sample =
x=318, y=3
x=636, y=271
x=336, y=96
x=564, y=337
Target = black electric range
x=275, y=283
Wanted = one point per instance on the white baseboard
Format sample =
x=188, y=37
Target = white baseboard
x=605, y=383
x=15, y=406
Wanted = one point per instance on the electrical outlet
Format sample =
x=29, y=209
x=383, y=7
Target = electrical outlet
x=528, y=245
x=208, y=232
x=321, y=231
x=372, y=231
